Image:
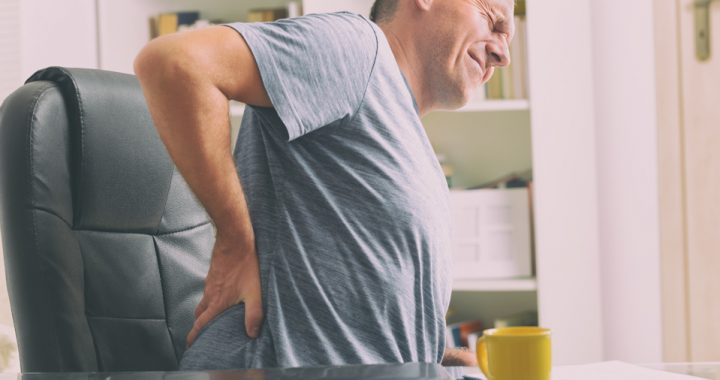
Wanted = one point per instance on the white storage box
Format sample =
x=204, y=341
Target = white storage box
x=491, y=233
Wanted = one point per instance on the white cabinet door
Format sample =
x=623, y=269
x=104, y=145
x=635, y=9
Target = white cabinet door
x=690, y=161
x=700, y=94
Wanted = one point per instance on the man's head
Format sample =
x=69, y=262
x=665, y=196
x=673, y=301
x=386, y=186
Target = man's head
x=453, y=46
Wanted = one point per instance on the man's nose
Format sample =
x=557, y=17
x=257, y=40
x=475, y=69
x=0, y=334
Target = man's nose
x=499, y=52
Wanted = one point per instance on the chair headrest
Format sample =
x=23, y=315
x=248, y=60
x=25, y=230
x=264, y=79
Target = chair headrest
x=121, y=171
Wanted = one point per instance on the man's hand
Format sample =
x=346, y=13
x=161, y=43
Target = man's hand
x=459, y=357
x=234, y=277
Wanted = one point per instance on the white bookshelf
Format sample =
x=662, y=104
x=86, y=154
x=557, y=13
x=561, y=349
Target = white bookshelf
x=503, y=285
x=497, y=105
x=493, y=106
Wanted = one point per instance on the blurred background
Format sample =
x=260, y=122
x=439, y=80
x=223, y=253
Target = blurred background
x=584, y=176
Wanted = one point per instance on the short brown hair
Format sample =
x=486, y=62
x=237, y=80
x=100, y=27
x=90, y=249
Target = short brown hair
x=383, y=10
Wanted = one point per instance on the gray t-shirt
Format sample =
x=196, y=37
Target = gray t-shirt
x=348, y=204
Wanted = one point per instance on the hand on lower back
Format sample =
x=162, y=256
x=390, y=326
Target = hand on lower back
x=234, y=277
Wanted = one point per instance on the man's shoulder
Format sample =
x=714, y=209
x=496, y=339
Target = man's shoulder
x=342, y=19
x=351, y=28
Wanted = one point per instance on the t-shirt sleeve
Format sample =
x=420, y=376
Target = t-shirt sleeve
x=315, y=68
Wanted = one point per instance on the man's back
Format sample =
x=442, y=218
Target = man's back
x=349, y=215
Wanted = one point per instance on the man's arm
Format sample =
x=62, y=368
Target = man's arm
x=187, y=79
x=459, y=357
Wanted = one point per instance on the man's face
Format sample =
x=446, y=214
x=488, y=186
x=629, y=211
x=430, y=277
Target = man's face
x=465, y=41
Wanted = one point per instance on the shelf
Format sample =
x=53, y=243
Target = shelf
x=494, y=106
x=497, y=105
x=237, y=108
x=509, y=285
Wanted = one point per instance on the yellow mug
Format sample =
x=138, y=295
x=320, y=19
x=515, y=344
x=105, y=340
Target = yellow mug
x=515, y=353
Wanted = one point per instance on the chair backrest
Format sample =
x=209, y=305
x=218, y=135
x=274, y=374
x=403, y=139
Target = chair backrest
x=106, y=247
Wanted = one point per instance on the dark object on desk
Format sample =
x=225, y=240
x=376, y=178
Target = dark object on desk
x=106, y=248
x=510, y=181
x=408, y=371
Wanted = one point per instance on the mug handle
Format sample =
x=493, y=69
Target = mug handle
x=482, y=356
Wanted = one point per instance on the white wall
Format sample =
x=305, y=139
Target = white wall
x=9, y=47
x=564, y=165
x=57, y=33
x=624, y=61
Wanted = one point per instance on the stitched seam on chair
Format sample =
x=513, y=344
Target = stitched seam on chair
x=141, y=233
x=31, y=163
x=98, y=358
x=164, y=301
x=82, y=132
x=50, y=212
x=184, y=229
x=125, y=318
x=167, y=197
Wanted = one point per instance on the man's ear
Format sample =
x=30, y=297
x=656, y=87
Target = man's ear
x=423, y=5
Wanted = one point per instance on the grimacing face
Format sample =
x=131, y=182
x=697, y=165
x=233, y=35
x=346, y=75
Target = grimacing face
x=465, y=41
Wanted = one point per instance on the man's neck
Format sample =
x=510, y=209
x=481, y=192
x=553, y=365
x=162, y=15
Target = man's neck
x=405, y=55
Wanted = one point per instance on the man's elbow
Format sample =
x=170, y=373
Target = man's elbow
x=149, y=61
x=161, y=60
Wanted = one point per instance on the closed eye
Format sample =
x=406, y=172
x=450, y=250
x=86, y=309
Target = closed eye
x=488, y=18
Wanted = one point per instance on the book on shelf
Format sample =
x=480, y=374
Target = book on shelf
x=458, y=334
x=494, y=86
x=506, y=74
x=266, y=14
x=171, y=22
x=525, y=318
x=273, y=14
x=509, y=181
x=518, y=54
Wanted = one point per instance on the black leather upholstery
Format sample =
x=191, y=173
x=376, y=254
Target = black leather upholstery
x=105, y=246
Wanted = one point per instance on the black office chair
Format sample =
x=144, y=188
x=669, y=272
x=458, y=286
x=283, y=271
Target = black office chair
x=105, y=246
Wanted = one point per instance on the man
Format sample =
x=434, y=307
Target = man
x=332, y=222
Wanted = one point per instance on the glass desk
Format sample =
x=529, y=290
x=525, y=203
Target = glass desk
x=409, y=371
x=702, y=370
